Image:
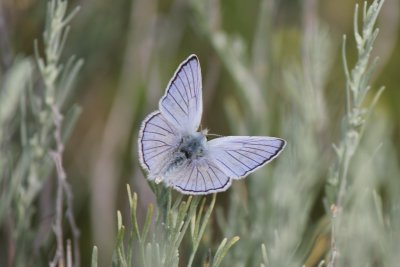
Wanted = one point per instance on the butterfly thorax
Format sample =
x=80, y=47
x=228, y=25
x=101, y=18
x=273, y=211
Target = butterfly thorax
x=191, y=147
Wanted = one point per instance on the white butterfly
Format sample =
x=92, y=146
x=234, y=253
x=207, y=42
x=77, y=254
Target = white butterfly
x=171, y=150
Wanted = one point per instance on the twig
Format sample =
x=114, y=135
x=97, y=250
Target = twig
x=63, y=187
x=55, y=35
x=72, y=223
x=59, y=258
x=355, y=118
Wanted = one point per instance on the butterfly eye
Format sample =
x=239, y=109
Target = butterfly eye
x=187, y=153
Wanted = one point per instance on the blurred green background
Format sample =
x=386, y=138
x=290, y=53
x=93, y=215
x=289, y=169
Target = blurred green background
x=131, y=48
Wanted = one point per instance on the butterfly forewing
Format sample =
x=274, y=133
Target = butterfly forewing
x=238, y=156
x=157, y=140
x=199, y=178
x=182, y=103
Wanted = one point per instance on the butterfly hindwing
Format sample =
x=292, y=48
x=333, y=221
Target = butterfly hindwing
x=238, y=156
x=182, y=103
x=199, y=178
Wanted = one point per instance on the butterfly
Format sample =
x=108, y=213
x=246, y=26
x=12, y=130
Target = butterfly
x=172, y=150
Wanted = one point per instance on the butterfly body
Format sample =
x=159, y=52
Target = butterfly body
x=193, y=146
x=189, y=150
x=173, y=151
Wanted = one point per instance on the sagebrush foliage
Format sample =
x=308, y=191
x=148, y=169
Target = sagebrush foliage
x=318, y=205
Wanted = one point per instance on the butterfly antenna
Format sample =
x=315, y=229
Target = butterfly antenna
x=217, y=135
x=205, y=132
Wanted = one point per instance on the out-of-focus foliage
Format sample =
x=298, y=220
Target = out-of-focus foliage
x=28, y=104
x=269, y=68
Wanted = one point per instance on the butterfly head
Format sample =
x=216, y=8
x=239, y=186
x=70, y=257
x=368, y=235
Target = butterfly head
x=204, y=132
